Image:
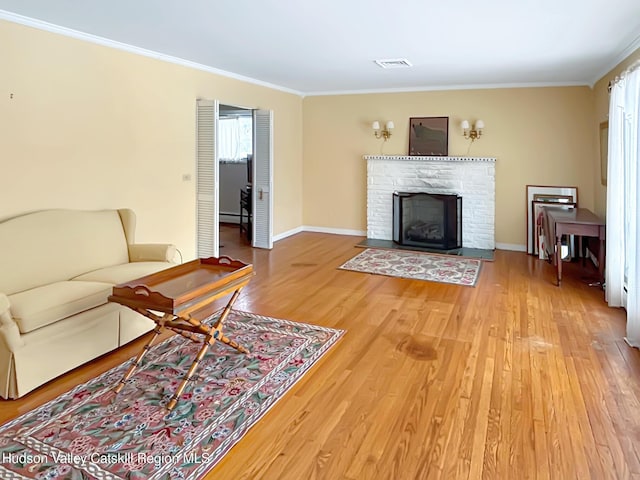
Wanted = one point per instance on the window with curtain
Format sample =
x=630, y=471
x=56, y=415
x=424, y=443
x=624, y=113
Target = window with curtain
x=235, y=138
x=623, y=200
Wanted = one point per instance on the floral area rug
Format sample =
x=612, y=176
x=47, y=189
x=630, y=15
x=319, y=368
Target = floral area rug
x=416, y=266
x=90, y=433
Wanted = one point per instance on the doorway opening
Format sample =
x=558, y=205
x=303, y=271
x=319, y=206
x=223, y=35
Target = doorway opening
x=235, y=159
x=258, y=168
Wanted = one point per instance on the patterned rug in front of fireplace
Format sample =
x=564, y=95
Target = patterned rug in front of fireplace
x=416, y=266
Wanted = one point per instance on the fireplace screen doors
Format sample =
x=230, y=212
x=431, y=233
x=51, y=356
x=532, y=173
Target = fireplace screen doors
x=427, y=220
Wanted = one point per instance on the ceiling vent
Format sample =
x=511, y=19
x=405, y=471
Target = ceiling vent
x=394, y=63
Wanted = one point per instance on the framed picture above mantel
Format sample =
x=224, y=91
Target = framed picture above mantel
x=429, y=136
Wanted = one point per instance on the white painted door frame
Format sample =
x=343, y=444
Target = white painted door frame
x=208, y=179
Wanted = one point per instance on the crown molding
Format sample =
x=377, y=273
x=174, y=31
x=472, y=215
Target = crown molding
x=87, y=37
x=439, y=88
x=623, y=55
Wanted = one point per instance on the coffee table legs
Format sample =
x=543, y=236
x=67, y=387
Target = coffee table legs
x=217, y=328
x=215, y=333
x=231, y=343
x=211, y=333
x=156, y=331
x=203, y=351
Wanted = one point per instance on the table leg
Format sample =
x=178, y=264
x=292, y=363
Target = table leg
x=559, y=259
x=210, y=339
x=218, y=326
x=601, y=254
x=143, y=352
x=225, y=313
x=231, y=343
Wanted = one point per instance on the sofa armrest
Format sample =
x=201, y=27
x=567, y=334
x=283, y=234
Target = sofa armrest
x=152, y=252
x=9, y=331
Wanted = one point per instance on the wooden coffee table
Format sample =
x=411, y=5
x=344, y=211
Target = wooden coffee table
x=179, y=299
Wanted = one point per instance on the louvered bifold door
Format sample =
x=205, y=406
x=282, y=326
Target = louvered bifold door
x=207, y=179
x=262, y=179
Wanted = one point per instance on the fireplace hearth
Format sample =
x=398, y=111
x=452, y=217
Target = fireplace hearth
x=422, y=219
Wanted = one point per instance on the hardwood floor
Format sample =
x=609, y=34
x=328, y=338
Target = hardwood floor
x=513, y=379
x=230, y=237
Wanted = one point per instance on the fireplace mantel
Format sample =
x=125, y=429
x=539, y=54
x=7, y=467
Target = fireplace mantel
x=429, y=159
x=473, y=178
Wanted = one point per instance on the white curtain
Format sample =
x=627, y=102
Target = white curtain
x=623, y=201
x=234, y=138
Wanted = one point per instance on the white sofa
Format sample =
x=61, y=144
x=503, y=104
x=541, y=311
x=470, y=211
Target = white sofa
x=57, y=268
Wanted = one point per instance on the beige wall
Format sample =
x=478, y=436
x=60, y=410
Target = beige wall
x=540, y=136
x=601, y=102
x=93, y=127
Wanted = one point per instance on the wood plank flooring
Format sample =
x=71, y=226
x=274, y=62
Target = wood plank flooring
x=513, y=379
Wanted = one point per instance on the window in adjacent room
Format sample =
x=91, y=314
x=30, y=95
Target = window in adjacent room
x=235, y=137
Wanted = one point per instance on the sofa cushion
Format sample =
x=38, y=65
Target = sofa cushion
x=124, y=273
x=56, y=245
x=44, y=305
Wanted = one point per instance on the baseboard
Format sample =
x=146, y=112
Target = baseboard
x=335, y=231
x=592, y=257
x=309, y=228
x=288, y=233
x=361, y=233
x=514, y=247
x=229, y=218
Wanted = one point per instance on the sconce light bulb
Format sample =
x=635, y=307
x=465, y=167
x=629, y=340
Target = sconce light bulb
x=376, y=125
x=390, y=125
x=479, y=125
x=465, y=125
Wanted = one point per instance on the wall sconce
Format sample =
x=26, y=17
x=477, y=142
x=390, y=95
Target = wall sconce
x=473, y=132
x=385, y=132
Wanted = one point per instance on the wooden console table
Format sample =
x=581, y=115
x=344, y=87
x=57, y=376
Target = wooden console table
x=581, y=222
x=184, y=294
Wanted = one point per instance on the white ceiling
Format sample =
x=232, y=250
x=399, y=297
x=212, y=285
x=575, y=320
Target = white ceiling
x=330, y=46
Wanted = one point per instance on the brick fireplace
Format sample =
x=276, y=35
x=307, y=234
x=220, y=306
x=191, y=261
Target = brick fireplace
x=472, y=178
